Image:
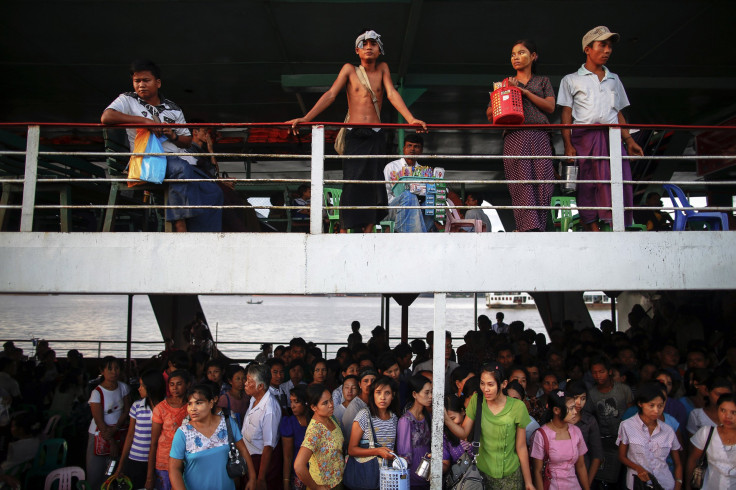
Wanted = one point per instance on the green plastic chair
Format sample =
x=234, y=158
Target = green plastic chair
x=386, y=227
x=564, y=219
x=50, y=456
x=83, y=485
x=332, y=198
x=634, y=227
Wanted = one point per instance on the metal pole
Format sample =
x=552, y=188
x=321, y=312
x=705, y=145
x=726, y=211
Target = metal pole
x=475, y=310
x=438, y=389
x=29, y=180
x=318, y=166
x=388, y=314
x=130, y=332
x=613, y=312
x=617, y=186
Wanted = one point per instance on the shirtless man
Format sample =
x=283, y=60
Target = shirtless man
x=363, y=140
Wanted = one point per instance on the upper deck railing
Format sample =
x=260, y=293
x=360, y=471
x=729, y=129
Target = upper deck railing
x=316, y=161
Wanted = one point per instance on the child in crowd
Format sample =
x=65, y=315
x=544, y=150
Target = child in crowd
x=167, y=416
x=235, y=398
x=134, y=457
x=214, y=372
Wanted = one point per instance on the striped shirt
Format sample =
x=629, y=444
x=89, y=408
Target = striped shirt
x=142, y=435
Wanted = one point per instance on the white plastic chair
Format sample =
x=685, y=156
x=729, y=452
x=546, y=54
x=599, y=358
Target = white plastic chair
x=65, y=476
x=50, y=429
x=453, y=222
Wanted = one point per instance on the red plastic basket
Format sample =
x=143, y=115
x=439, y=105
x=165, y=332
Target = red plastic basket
x=507, y=106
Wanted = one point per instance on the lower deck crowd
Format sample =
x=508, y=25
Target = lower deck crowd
x=589, y=409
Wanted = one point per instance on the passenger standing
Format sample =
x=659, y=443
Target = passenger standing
x=261, y=427
x=503, y=458
x=364, y=107
x=560, y=443
x=644, y=442
x=320, y=462
x=708, y=415
x=350, y=389
x=167, y=416
x=721, y=451
x=594, y=95
x=414, y=431
x=366, y=378
x=199, y=451
x=134, y=457
x=109, y=404
x=538, y=98
x=376, y=423
x=589, y=429
x=293, y=428
x=235, y=398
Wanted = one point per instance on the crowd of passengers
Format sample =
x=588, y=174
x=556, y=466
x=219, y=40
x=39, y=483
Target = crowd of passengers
x=590, y=409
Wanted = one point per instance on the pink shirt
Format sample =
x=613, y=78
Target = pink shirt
x=562, y=456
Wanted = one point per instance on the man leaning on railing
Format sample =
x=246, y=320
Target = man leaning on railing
x=146, y=105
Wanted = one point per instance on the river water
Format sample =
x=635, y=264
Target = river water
x=315, y=318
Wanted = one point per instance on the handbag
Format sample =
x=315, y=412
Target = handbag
x=367, y=475
x=471, y=478
x=340, y=139
x=102, y=445
x=235, y=466
x=546, y=472
x=699, y=471
x=147, y=168
x=652, y=484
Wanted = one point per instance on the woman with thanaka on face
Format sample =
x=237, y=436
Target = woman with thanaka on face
x=167, y=416
x=319, y=371
x=350, y=389
x=503, y=458
x=292, y=429
x=349, y=368
x=134, y=457
x=563, y=449
x=199, y=451
x=588, y=426
x=538, y=100
x=365, y=380
x=414, y=431
x=721, y=452
x=109, y=404
x=644, y=441
x=378, y=418
x=320, y=462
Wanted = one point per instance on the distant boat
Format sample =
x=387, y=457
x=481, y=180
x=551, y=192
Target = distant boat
x=252, y=302
x=509, y=300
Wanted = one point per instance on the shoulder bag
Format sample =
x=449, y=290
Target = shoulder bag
x=546, y=472
x=236, y=466
x=367, y=475
x=699, y=471
x=470, y=477
x=102, y=445
x=340, y=139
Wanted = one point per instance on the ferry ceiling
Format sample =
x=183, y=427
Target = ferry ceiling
x=266, y=61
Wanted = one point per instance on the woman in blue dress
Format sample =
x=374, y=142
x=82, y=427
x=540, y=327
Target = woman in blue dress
x=200, y=448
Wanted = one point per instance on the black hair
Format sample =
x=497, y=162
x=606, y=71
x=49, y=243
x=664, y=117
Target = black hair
x=692, y=376
x=416, y=383
x=352, y=376
x=647, y=392
x=28, y=422
x=300, y=393
x=718, y=382
x=554, y=400
x=274, y=361
x=298, y=342
x=385, y=361
x=458, y=374
x=576, y=388
x=108, y=361
x=318, y=360
x=231, y=370
x=153, y=381
x=314, y=393
x=472, y=385
x=414, y=138
x=454, y=404
x=213, y=362
x=145, y=65
x=602, y=360
x=726, y=397
x=516, y=386
x=383, y=381
x=180, y=373
x=349, y=362
x=495, y=370
x=207, y=390
x=532, y=47
x=179, y=360
x=295, y=363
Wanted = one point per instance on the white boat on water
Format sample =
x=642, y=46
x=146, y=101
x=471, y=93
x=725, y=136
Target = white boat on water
x=593, y=300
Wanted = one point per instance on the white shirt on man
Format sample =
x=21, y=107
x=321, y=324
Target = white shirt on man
x=593, y=101
x=261, y=424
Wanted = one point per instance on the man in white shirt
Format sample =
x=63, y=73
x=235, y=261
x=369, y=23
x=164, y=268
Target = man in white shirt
x=500, y=326
x=146, y=105
x=594, y=95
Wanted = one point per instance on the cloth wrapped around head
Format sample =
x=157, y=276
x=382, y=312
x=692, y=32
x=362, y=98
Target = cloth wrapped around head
x=369, y=35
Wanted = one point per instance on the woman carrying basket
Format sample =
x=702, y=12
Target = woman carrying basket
x=503, y=458
x=538, y=98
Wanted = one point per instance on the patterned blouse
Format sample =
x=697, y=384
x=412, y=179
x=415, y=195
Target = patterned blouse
x=327, y=464
x=196, y=442
x=542, y=87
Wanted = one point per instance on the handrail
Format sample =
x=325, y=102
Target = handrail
x=318, y=158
